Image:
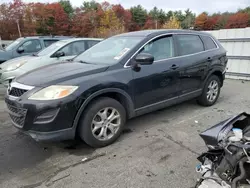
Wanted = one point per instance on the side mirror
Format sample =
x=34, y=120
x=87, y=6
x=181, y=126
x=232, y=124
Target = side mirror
x=59, y=54
x=144, y=59
x=20, y=50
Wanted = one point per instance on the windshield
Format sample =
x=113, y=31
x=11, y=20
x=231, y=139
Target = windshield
x=52, y=48
x=109, y=51
x=13, y=45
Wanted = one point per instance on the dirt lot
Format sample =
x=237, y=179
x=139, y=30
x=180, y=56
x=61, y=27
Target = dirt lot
x=156, y=150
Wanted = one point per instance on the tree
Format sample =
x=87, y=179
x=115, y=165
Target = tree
x=124, y=16
x=189, y=20
x=159, y=17
x=139, y=15
x=211, y=23
x=109, y=24
x=200, y=21
x=150, y=23
x=173, y=23
x=90, y=6
x=67, y=7
x=238, y=20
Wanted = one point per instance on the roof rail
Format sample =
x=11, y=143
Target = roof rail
x=49, y=36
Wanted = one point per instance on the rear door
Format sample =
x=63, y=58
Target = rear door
x=157, y=83
x=193, y=62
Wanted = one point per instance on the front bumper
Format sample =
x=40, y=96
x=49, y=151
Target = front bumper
x=43, y=120
x=5, y=76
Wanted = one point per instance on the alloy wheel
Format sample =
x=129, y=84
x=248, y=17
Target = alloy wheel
x=212, y=90
x=106, y=123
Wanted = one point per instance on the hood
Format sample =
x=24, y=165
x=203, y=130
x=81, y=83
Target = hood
x=5, y=55
x=60, y=72
x=17, y=60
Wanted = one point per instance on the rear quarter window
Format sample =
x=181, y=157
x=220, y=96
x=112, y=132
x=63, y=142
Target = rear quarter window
x=208, y=42
x=189, y=44
x=49, y=42
x=92, y=43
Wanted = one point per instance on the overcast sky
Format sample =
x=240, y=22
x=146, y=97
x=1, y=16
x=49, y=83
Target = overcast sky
x=196, y=6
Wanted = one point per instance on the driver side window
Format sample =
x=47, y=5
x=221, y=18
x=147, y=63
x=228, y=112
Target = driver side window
x=161, y=48
x=31, y=46
x=67, y=50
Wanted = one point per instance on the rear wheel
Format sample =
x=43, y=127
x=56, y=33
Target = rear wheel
x=102, y=122
x=211, y=91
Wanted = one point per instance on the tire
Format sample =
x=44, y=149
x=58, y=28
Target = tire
x=204, y=100
x=97, y=118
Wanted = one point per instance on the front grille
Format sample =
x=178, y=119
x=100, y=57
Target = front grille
x=17, y=115
x=17, y=92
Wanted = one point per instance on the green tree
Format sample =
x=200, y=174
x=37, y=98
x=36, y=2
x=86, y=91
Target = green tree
x=67, y=7
x=159, y=16
x=189, y=20
x=139, y=15
x=90, y=6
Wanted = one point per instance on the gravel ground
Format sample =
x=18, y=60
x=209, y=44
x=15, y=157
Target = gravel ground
x=156, y=150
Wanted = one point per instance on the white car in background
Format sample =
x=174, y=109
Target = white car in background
x=57, y=52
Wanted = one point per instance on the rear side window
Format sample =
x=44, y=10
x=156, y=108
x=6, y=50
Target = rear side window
x=189, y=44
x=78, y=47
x=49, y=42
x=209, y=43
x=92, y=43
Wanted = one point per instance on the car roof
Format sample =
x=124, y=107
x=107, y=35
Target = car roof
x=155, y=32
x=47, y=37
x=79, y=39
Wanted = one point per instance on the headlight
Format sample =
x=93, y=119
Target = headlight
x=53, y=92
x=15, y=66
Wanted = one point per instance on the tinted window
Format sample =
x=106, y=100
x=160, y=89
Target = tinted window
x=189, y=44
x=209, y=43
x=92, y=43
x=161, y=48
x=31, y=46
x=78, y=47
x=49, y=42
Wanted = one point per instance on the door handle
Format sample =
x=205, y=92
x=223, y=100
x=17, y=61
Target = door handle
x=174, y=66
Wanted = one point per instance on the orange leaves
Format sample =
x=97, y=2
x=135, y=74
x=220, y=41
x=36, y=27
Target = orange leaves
x=200, y=21
x=238, y=20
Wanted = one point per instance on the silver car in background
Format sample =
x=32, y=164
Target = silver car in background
x=57, y=52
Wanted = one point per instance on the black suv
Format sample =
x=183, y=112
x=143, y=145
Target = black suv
x=27, y=46
x=119, y=78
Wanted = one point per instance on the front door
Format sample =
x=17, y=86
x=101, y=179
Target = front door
x=29, y=47
x=157, y=83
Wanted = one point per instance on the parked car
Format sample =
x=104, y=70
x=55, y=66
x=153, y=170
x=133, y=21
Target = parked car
x=119, y=78
x=27, y=46
x=57, y=52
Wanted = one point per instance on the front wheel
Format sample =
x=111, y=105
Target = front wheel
x=211, y=91
x=102, y=122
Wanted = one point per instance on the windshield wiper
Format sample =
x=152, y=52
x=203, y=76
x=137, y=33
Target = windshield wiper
x=34, y=55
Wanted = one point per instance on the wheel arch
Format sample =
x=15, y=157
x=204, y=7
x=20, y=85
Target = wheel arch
x=218, y=72
x=115, y=93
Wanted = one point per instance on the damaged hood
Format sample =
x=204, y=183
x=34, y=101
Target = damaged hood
x=60, y=72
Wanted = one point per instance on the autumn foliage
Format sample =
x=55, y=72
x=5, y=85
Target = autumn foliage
x=94, y=19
